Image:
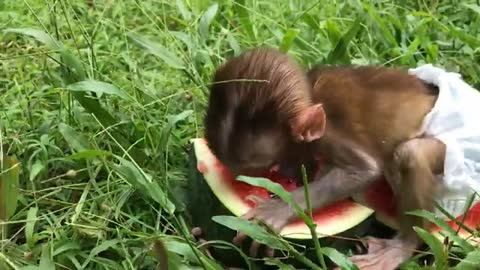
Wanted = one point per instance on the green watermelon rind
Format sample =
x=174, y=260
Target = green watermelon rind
x=350, y=217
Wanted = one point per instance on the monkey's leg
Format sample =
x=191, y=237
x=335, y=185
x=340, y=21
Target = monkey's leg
x=411, y=175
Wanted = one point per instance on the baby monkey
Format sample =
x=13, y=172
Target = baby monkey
x=264, y=110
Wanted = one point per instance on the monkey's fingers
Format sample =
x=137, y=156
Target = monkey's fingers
x=270, y=252
x=205, y=246
x=373, y=244
x=252, y=212
x=239, y=238
x=255, y=199
x=254, y=248
x=275, y=168
x=197, y=234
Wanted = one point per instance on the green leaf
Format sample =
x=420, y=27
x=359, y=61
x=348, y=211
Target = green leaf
x=253, y=230
x=97, y=87
x=288, y=39
x=89, y=154
x=183, y=249
x=276, y=189
x=64, y=246
x=435, y=245
x=334, y=34
x=448, y=231
x=186, y=14
x=338, y=258
x=39, y=35
x=232, y=41
x=279, y=264
x=36, y=168
x=311, y=21
x=470, y=262
x=9, y=172
x=244, y=17
x=46, y=262
x=389, y=38
x=473, y=7
x=158, y=50
x=185, y=38
x=206, y=20
x=76, y=70
x=137, y=179
x=30, y=226
x=339, y=53
x=75, y=140
x=100, y=248
x=174, y=119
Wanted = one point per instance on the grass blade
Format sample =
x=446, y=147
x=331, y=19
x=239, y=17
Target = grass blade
x=39, y=35
x=130, y=173
x=288, y=39
x=9, y=177
x=253, y=230
x=438, y=249
x=87, y=154
x=30, y=226
x=278, y=190
x=473, y=7
x=36, y=168
x=470, y=262
x=244, y=17
x=206, y=20
x=158, y=50
x=339, y=259
x=98, y=87
x=186, y=14
x=389, y=39
x=75, y=140
x=46, y=262
x=443, y=225
x=100, y=248
x=339, y=53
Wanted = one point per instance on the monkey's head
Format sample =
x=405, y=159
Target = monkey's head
x=260, y=112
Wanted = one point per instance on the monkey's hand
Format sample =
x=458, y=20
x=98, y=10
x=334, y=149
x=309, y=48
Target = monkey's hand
x=383, y=254
x=273, y=213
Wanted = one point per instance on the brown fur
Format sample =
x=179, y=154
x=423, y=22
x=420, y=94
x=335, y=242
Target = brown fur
x=245, y=114
x=366, y=120
x=374, y=107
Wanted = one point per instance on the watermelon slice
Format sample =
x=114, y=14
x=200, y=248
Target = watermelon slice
x=330, y=220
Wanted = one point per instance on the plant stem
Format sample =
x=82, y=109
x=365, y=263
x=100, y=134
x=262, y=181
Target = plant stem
x=304, y=259
x=311, y=225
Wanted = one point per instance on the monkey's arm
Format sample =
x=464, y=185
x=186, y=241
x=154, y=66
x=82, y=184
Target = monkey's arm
x=337, y=184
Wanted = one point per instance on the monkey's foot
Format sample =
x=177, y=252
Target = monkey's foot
x=383, y=254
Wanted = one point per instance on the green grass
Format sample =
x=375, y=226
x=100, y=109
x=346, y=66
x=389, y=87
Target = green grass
x=100, y=176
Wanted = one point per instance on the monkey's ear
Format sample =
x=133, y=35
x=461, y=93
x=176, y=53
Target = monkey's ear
x=309, y=125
